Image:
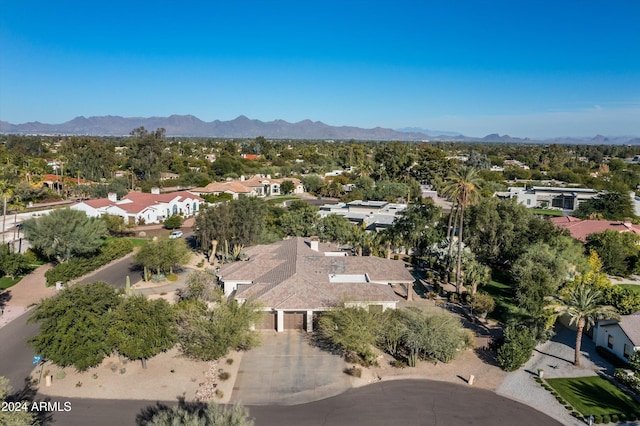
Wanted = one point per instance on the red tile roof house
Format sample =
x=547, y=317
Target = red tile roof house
x=294, y=280
x=620, y=337
x=580, y=229
x=138, y=206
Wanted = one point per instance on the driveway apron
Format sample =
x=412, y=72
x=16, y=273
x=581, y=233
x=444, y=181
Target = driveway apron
x=287, y=370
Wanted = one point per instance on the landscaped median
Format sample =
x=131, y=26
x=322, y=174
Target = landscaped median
x=593, y=396
x=79, y=266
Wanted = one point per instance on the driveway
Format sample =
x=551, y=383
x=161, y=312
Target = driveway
x=287, y=370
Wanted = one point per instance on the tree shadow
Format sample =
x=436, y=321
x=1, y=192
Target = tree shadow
x=145, y=417
x=29, y=393
x=316, y=339
x=5, y=296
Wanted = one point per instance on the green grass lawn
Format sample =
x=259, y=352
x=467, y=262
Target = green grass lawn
x=137, y=242
x=546, y=212
x=6, y=282
x=594, y=395
x=500, y=289
x=282, y=199
x=633, y=287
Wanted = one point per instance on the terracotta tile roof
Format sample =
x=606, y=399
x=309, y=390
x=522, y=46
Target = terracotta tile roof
x=99, y=202
x=290, y=275
x=580, y=229
x=630, y=324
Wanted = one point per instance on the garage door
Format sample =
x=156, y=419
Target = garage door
x=294, y=320
x=268, y=321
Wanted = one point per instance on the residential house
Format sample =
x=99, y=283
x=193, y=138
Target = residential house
x=567, y=199
x=139, y=207
x=296, y=280
x=375, y=215
x=580, y=229
x=620, y=337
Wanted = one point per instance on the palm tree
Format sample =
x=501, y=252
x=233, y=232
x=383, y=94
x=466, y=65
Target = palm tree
x=463, y=188
x=583, y=305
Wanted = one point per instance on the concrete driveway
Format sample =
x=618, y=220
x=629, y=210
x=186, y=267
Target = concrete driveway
x=287, y=370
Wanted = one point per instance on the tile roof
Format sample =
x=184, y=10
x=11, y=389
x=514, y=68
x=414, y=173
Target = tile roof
x=630, y=324
x=290, y=275
x=233, y=186
x=580, y=229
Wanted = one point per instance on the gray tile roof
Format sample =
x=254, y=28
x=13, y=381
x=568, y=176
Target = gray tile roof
x=630, y=324
x=290, y=275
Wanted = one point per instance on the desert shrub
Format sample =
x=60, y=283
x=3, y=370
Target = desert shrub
x=606, y=418
x=172, y=277
x=229, y=361
x=61, y=375
x=397, y=363
x=123, y=370
x=223, y=375
x=353, y=371
x=219, y=393
x=483, y=303
x=173, y=222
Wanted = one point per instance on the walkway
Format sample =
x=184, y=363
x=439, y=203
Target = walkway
x=17, y=299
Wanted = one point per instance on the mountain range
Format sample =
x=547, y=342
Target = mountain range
x=243, y=127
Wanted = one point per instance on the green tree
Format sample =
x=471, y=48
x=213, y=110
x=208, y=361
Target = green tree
x=173, y=222
x=142, y=328
x=14, y=417
x=463, y=188
x=417, y=229
x=335, y=228
x=74, y=325
x=13, y=264
x=197, y=414
x=313, y=184
x=163, y=254
x=210, y=334
x=517, y=348
x=201, y=285
x=65, y=233
x=300, y=219
x=583, y=305
x=92, y=159
x=354, y=329
x=287, y=187
x=609, y=205
x=145, y=153
x=619, y=251
x=114, y=223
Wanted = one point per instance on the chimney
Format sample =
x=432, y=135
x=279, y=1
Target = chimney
x=313, y=243
x=112, y=196
x=155, y=190
x=242, y=178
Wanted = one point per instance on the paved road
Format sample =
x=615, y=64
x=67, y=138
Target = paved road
x=399, y=402
x=115, y=274
x=15, y=354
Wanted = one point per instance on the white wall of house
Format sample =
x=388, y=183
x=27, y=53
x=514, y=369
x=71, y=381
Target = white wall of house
x=87, y=209
x=611, y=337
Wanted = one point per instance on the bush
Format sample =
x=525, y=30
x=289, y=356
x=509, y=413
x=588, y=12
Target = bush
x=398, y=363
x=219, y=393
x=483, y=303
x=173, y=222
x=79, y=266
x=615, y=418
x=606, y=419
x=597, y=419
x=61, y=375
x=517, y=348
x=353, y=371
x=229, y=361
x=223, y=375
x=172, y=277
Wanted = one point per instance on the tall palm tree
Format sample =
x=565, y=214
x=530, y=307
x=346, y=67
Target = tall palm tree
x=583, y=305
x=463, y=188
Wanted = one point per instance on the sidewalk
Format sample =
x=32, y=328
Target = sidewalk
x=17, y=299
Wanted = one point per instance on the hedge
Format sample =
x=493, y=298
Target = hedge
x=79, y=266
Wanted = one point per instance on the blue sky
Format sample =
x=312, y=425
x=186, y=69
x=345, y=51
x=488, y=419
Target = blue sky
x=528, y=68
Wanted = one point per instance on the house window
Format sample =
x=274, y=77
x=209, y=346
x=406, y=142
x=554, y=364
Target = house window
x=195, y=206
x=528, y=201
x=610, y=342
x=175, y=209
x=627, y=351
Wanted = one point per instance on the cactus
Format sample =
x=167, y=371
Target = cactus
x=237, y=249
x=127, y=286
x=146, y=274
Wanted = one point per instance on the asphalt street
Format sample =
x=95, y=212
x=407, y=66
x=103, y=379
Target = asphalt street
x=398, y=402
x=115, y=274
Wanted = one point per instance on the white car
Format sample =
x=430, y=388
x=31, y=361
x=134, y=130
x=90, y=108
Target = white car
x=176, y=234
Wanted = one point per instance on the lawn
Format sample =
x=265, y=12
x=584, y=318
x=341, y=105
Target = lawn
x=281, y=199
x=6, y=282
x=500, y=289
x=633, y=287
x=137, y=242
x=594, y=395
x=546, y=212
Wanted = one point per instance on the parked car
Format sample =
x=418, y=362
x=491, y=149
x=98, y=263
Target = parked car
x=176, y=234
